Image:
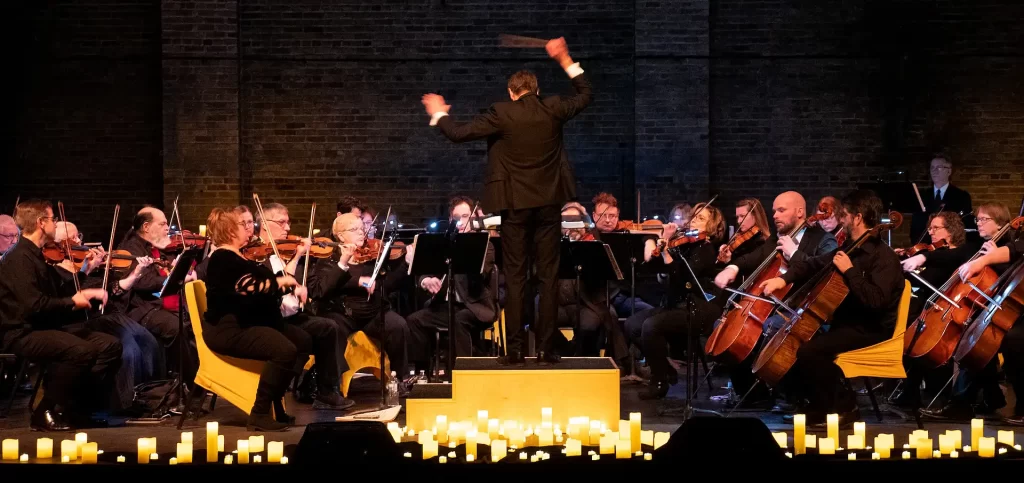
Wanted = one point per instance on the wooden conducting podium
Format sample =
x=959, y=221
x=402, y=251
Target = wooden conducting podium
x=575, y=387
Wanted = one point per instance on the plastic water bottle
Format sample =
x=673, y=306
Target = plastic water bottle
x=422, y=377
x=393, y=390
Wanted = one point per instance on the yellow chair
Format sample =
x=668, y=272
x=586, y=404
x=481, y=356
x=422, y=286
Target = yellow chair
x=884, y=359
x=360, y=353
x=496, y=333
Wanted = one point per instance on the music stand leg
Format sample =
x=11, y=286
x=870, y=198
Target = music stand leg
x=577, y=350
x=383, y=343
x=450, y=362
x=688, y=411
x=182, y=340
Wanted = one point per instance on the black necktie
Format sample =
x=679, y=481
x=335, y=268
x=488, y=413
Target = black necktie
x=938, y=195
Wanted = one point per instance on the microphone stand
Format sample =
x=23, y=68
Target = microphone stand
x=688, y=410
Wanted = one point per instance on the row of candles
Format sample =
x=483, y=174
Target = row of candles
x=918, y=441
x=81, y=450
x=505, y=436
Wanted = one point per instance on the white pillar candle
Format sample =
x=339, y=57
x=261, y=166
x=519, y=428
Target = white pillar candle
x=1005, y=437
x=545, y=415
x=799, y=431
x=595, y=434
x=945, y=444
x=811, y=441
x=442, y=428
x=186, y=437
x=956, y=437
x=256, y=444
x=144, y=451
x=832, y=423
x=622, y=449
x=424, y=437
x=661, y=438
x=860, y=429
x=924, y=449
x=212, y=429
x=826, y=446
x=498, y=450
x=851, y=456
x=987, y=447
x=44, y=448
x=184, y=453
x=229, y=459
x=854, y=441
x=781, y=438
x=492, y=428
x=481, y=421
x=69, y=448
x=243, y=451
x=80, y=439
x=977, y=431
x=573, y=447
x=634, y=431
x=545, y=438
x=89, y=453
x=607, y=444
x=10, y=449
x=220, y=443
x=429, y=449
x=275, y=450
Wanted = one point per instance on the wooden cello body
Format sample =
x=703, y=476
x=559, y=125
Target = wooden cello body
x=985, y=334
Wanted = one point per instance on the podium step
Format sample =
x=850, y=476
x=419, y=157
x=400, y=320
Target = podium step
x=577, y=386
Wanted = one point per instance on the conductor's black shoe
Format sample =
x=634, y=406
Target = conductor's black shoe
x=545, y=358
x=513, y=358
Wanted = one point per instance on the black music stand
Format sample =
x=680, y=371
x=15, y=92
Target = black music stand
x=175, y=284
x=897, y=196
x=590, y=260
x=628, y=250
x=451, y=254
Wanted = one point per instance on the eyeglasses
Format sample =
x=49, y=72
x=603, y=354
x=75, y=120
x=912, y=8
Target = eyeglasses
x=10, y=236
x=282, y=222
x=983, y=219
x=935, y=228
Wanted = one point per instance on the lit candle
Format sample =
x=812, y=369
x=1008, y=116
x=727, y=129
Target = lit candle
x=648, y=457
x=429, y=449
x=906, y=455
x=257, y=459
x=173, y=461
x=44, y=448
x=977, y=431
x=781, y=438
x=595, y=457
x=470, y=458
x=69, y=448
x=916, y=435
x=498, y=450
x=954, y=454
x=860, y=429
x=481, y=421
x=121, y=458
x=1002, y=451
x=23, y=458
x=220, y=443
x=876, y=456
x=80, y=439
x=65, y=459
x=256, y=444
x=573, y=447
x=832, y=421
x=202, y=230
x=956, y=437
x=622, y=449
x=634, y=431
x=186, y=437
x=229, y=459
x=924, y=449
x=854, y=441
x=799, y=431
x=442, y=428
x=89, y=452
x=471, y=438
x=284, y=460
x=811, y=441
x=243, y=451
x=184, y=453
x=442, y=459
x=10, y=449
x=851, y=456
x=275, y=450
x=607, y=444
x=661, y=438
x=1005, y=437
x=492, y=428
x=212, y=428
x=424, y=436
x=595, y=434
x=826, y=446
x=524, y=456
x=936, y=454
x=987, y=447
x=545, y=415
x=545, y=437
x=646, y=438
x=945, y=444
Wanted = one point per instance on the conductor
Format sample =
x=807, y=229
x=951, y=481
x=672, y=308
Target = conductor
x=528, y=179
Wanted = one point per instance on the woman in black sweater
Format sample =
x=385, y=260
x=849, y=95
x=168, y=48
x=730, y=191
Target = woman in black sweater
x=243, y=319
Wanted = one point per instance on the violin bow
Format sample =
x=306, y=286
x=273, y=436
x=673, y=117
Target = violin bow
x=17, y=200
x=305, y=265
x=176, y=216
x=67, y=244
x=110, y=254
x=263, y=218
x=384, y=251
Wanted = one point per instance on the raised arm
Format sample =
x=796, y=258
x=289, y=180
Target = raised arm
x=569, y=107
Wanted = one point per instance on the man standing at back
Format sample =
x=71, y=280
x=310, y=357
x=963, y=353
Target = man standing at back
x=528, y=179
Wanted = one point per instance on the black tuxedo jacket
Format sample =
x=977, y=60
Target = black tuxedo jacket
x=815, y=242
x=955, y=200
x=527, y=164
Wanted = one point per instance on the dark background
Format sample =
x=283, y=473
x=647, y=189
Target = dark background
x=133, y=102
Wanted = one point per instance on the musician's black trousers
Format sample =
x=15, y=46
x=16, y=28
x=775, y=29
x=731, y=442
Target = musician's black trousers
x=987, y=379
x=531, y=233
x=816, y=375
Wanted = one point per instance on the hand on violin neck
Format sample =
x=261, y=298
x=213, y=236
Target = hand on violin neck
x=83, y=299
x=669, y=230
x=303, y=247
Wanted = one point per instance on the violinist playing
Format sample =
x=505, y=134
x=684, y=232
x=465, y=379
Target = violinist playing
x=865, y=317
x=963, y=402
x=751, y=232
x=148, y=237
x=248, y=228
x=832, y=223
x=8, y=233
x=327, y=337
x=352, y=300
x=39, y=310
x=606, y=219
x=789, y=212
x=655, y=329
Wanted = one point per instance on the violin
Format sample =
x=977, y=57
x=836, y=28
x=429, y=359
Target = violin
x=119, y=259
x=369, y=252
x=185, y=239
x=648, y=225
x=738, y=240
x=259, y=250
x=688, y=237
x=920, y=248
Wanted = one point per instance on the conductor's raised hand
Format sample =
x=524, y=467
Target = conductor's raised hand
x=558, y=50
x=434, y=103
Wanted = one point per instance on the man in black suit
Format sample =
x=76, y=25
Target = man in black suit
x=528, y=179
x=942, y=196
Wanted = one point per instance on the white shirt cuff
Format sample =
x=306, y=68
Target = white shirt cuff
x=574, y=70
x=436, y=117
x=343, y=267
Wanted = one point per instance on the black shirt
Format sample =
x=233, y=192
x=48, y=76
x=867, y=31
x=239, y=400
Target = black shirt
x=34, y=295
x=338, y=291
x=144, y=295
x=241, y=290
x=875, y=282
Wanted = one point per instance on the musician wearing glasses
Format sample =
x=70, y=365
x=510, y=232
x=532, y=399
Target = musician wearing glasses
x=942, y=196
x=8, y=233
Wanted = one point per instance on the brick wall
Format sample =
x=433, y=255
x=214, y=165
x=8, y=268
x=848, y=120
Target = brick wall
x=147, y=101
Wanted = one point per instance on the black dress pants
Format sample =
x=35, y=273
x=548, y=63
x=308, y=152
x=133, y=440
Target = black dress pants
x=816, y=375
x=424, y=324
x=326, y=344
x=531, y=234
x=164, y=325
x=394, y=343
x=285, y=349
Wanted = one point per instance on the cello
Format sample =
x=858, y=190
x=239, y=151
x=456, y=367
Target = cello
x=985, y=334
x=825, y=292
x=939, y=328
x=741, y=325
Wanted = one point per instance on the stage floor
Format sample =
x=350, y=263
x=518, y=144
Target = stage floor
x=366, y=391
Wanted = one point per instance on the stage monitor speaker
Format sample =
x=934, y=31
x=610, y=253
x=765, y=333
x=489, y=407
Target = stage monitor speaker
x=715, y=438
x=346, y=442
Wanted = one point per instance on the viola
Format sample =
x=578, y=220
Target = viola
x=738, y=240
x=921, y=248
x=940, y=328
x=813, y=307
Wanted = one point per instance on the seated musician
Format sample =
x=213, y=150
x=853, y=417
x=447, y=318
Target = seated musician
x=991, y=218
x=367, y=215
x=832, y=224
x=147, y=238
x=248, y=227
x=866, y=316
x=243, y=319
x=606, y=219
x=8, y=233
x=474, y=304
x=680, y=214
x=352, y=300
x=749, y=215
x=142, y=356
x=935, y=268
x=655, y=329
x=789, y=211
x=1012, y=346
x=328, y=337
x=40, y=320
x=598, y=327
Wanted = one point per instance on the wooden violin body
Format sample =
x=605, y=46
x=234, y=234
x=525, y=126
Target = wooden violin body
x=741, y=326
x=779, y=354
x=921, y=248
x=185, y=239
x=985, y=334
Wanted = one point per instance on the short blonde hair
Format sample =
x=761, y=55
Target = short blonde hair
x=223, y=225
x=342, y=220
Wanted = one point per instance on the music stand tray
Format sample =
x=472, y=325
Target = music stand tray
x=897, y=196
